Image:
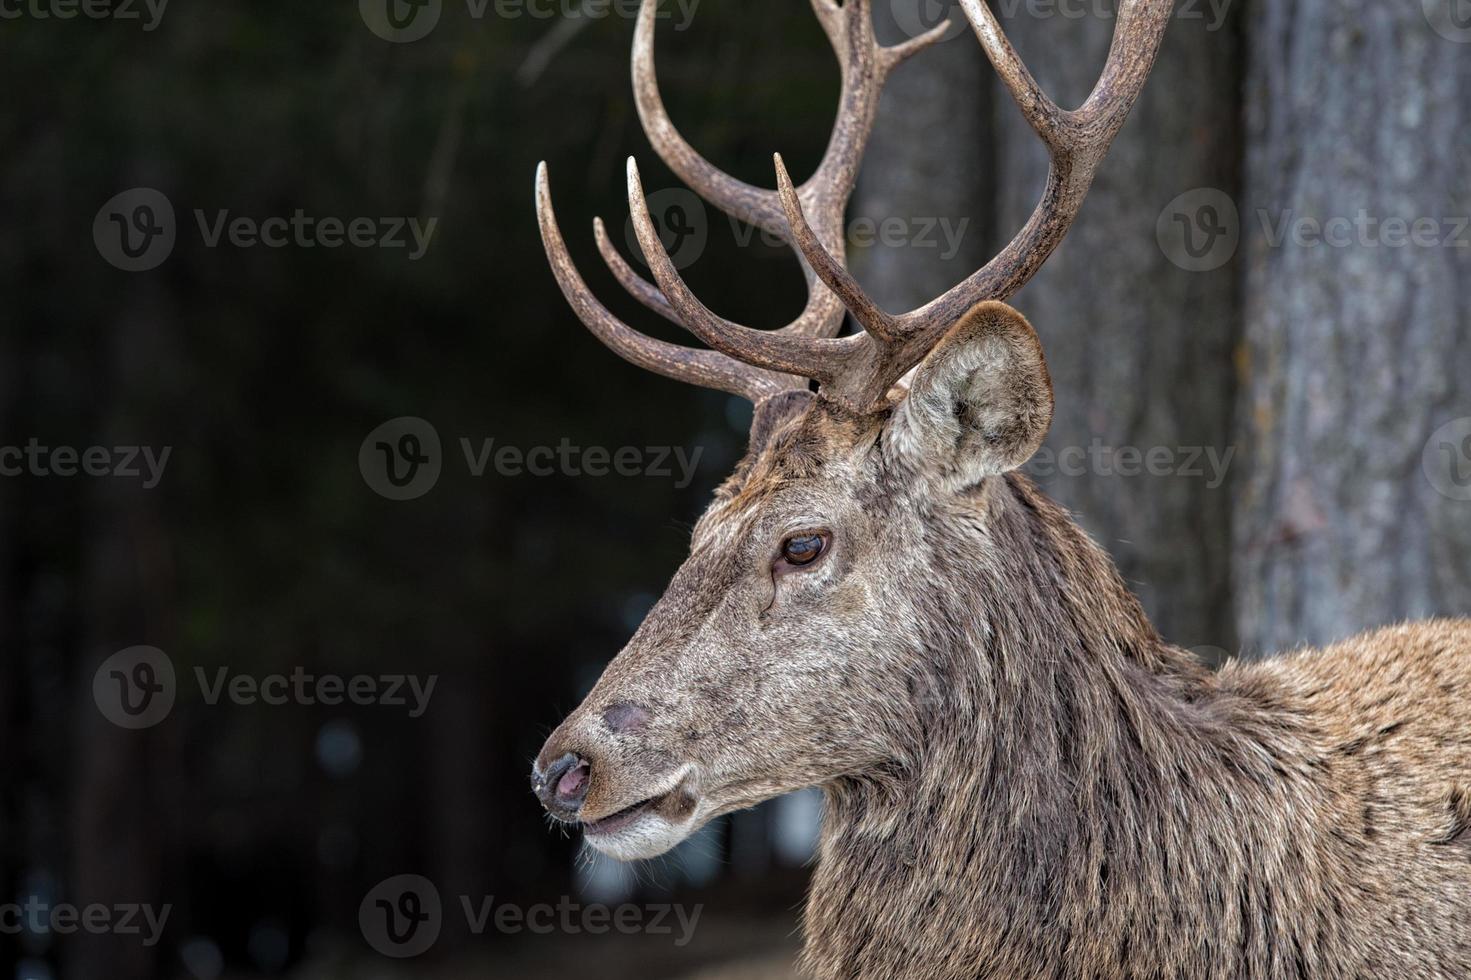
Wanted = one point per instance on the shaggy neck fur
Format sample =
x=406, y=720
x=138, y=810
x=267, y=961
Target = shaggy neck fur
x=1070, y=797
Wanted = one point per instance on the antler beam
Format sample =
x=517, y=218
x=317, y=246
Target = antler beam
x=1076, y=142
x=856, y=371
x=753, y=363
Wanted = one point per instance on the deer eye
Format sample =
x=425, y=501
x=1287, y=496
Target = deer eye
x=803, y=549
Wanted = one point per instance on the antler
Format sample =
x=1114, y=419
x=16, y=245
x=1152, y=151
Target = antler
x=752, y=363
x=1076, y=142
x=855, y=371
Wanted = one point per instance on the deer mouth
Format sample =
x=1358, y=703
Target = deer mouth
x=657, y=815
x=615, y=822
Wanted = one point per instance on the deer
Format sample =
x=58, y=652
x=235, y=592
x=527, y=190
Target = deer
x=1020, y=776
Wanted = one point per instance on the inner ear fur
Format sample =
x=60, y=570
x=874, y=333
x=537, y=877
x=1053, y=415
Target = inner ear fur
x=980, y=404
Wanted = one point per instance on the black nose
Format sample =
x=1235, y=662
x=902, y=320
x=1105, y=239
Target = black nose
x=563, y=786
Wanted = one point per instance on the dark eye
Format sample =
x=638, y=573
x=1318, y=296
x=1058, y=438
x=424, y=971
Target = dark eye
x=803, y=549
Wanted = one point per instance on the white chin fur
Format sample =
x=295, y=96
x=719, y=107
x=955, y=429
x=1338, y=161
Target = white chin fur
x=647, y=837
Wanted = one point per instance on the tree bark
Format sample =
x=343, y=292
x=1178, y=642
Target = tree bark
x=926, y=173
x=1354, y=511
x=1138, y=340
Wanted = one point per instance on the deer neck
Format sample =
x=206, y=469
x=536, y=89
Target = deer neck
x=1043, y=778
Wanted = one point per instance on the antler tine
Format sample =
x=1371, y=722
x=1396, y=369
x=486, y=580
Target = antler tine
x=854, y=371
x=819, y=358
x=637, y=286
x=1130, y=61
x=709, y=369
x=737, y=198
x=1041, y=112
x=1076, y=142
x=821, y=317
x=827, y=268
x=864, y=66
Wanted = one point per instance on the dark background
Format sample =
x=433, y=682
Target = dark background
x=1336, y=375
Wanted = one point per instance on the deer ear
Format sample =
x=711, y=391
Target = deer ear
x=979, y=404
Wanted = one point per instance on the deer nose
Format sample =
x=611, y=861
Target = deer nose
x=623, y=717
x=563, y=786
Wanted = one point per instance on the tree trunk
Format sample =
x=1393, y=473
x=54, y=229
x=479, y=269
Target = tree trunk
x=13, y=774
x=1138, y=337
x=124, y=806
x=1356, y=508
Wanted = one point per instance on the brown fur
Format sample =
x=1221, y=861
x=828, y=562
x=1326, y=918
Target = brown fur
x=1022, y=778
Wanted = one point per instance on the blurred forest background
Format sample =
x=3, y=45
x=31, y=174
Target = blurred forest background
x=1237, y=290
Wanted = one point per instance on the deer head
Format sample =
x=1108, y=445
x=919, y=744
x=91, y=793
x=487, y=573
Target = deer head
x=861, y=519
